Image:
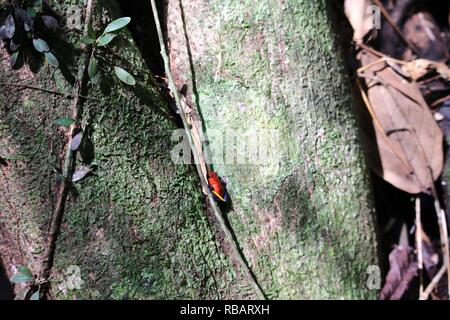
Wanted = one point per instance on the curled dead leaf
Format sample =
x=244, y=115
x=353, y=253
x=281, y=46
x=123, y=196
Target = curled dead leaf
x=360, y=17
x=418, y=68
x=402, y=269
x=404, y=143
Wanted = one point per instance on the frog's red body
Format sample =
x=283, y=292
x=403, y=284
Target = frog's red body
x=217, y=186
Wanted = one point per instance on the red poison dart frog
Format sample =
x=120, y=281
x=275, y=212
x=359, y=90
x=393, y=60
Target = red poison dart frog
x=217, y=186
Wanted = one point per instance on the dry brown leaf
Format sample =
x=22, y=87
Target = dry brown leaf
x=360, y=17
x=404, y=145
x=416, y=69
x=402, y=270
x=443, y=70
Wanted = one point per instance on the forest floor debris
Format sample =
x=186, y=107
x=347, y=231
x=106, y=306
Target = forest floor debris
x=403, y=71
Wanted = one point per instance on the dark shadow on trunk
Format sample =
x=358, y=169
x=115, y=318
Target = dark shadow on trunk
x=143, y=29
x=6, y=289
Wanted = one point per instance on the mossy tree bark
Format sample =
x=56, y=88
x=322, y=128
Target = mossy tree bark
x=270, y=74
x=138, y=228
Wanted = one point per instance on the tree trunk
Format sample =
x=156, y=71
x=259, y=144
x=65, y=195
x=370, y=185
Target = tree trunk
x=138, y=227
x=270, y=74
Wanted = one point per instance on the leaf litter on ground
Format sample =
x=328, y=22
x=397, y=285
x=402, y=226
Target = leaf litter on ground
x=406, y=149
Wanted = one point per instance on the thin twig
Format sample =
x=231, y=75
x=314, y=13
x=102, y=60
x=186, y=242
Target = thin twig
x=389, y=19
x=235, y=251
x=443, y=232
x=439, y=101
x=381, y=54
x=419, y=243
x=193, y=121
x=442, y=222
x=445, y=250
x=426, y=81
x=433, y=283
x=32, y=87
x=68, y=166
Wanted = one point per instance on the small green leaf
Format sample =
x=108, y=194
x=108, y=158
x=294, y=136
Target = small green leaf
x=35, y=296
x=14, y=57
x=87, y=40
x=92, y=68
x=40, y=45
x=25, y=271
x=105, y=39
x=124, y=76
x=117, y=24
x=10, y=26
x=51, y=59
x=64, y=121
x=76, y=141
x=19, y=278
x=80, y=173
x=95, y=79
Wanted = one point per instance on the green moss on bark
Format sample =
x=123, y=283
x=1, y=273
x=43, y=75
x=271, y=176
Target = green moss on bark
x=137, y=228
x=305, y=218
